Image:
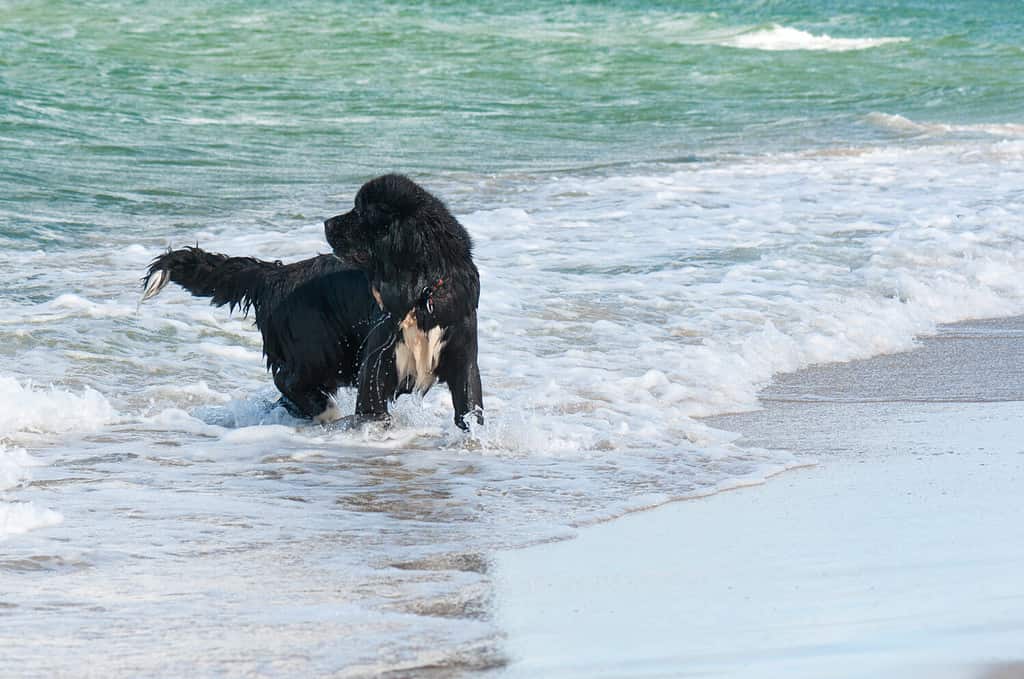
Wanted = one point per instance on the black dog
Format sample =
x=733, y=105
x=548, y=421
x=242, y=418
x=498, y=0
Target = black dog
x=419, y=263
x=324, y=327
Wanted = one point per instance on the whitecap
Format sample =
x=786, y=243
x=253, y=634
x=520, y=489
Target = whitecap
x=784, y=38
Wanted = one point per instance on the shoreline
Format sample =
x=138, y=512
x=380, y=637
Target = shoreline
x=898, y=554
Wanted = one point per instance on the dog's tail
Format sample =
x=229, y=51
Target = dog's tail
x=236, y=281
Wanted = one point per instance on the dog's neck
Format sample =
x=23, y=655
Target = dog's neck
x=400, y=294
x=408, y=263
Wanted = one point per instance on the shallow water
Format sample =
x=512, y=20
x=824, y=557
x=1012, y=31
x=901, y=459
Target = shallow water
x=668, y=208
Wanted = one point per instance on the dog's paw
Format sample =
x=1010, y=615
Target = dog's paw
x=330, y=415
x=476, y=413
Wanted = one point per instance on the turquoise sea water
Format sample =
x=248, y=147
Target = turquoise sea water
x=671, y=203
x=142, y=115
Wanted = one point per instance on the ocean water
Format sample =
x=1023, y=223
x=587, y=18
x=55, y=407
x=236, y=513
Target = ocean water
x=671, y=203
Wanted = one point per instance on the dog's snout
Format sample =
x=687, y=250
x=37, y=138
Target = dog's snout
x=329, y=232
x=333, y=232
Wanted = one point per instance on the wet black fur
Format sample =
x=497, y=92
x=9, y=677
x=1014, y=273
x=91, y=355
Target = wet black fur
x=418, y=257
x=314, y=315
x=322, y=328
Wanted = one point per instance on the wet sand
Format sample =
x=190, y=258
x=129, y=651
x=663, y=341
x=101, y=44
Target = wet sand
x=899, y=554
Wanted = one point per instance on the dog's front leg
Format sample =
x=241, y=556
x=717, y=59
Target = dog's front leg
x=378, y=376
x=463, y=376
x=467, y=398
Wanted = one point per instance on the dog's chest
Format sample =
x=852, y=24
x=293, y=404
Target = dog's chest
x=419, y=353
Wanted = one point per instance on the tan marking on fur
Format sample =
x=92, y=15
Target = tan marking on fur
x=376, y=295
x=155, y=284
x=330, y=414
x=418, y=353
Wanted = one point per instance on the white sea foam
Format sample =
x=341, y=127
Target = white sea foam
x=29, y=408
x=198, y=392
x=616, y=308
x=14, y=466
x=905, y=125
x=74, y=305
x=763, y=266
x=784, y=38
x=22, y=517
x=230, y=352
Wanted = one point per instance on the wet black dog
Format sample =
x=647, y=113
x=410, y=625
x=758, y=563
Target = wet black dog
x=325, y=327
x=418, y=260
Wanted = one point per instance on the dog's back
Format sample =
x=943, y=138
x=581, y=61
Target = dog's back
x=314, y=315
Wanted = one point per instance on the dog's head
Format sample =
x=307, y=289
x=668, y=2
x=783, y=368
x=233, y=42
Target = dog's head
x=381, y=205
x=405, y=240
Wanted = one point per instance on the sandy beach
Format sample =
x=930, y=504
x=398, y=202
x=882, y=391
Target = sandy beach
x=899, y=554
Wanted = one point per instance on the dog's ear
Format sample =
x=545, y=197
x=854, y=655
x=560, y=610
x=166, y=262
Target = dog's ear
x=387, y=199
x=376, y=215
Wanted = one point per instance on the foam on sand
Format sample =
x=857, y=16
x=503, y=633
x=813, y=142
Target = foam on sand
x=898, y=555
